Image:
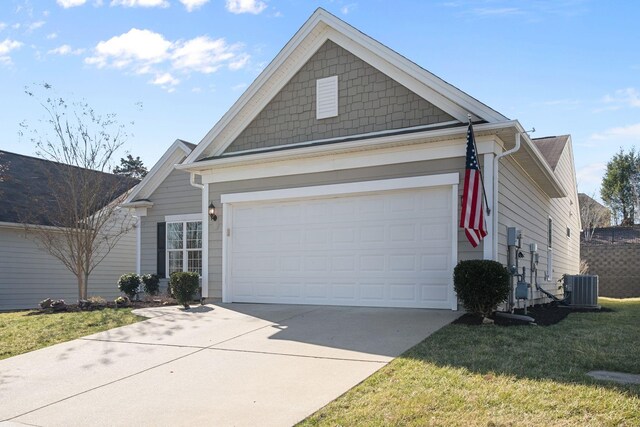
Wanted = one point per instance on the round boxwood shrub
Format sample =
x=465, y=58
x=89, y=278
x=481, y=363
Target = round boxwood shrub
x=151, y=283
x=481, y=285
x=128, y=284
x=183, y=286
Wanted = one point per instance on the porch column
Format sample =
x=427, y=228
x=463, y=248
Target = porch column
x=487, y=174
x=204, y=281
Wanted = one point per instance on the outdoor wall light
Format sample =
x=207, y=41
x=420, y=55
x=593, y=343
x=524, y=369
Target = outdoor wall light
x=212, y=212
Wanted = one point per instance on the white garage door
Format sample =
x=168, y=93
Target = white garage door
x=387, y=249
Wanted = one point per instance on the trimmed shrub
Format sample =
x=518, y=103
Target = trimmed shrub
x=481, y=285
x=121, y=301
x=183, y=286
x=151, y=283
x=128, y=284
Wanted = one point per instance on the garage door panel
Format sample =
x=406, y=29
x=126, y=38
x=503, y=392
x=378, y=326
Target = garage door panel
x=386, y=249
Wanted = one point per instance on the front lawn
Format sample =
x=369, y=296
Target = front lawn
x=21, y=332
x=505, y=376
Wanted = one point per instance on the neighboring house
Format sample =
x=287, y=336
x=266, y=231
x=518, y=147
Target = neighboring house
x=336, y=179
x=29, y=274
x=594, y=212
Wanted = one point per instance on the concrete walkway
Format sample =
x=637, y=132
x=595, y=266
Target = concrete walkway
x=222, y=364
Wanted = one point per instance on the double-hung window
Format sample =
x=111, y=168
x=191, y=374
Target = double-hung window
x=184, y=246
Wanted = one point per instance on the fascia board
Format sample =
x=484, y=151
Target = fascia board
x=159, y=171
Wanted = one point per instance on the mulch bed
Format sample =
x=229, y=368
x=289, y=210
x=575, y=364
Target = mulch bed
x=544, y=315
x=110, y=304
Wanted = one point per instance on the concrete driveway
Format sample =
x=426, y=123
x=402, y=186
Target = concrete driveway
x=220, y=364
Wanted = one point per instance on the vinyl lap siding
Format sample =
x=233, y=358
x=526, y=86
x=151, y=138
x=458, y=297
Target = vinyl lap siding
x=174, y=196
x=465, y=251
x=566, y=213
x=28, y=275
x=525, y=206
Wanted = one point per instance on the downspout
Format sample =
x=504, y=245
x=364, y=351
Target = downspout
x=496, y=163
x=204, y=281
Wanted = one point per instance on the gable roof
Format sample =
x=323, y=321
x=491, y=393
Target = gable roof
x=161, y=170
x=24, y=181
x=551, y=148
x=319, y=28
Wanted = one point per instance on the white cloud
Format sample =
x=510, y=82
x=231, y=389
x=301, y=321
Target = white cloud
x=35, y=25
x=192, y=5
x=590, y=175
x=347, y=8
x=2, y=26
x=207, y=55
x=246, y=6
x=65, y=49
x=240, y=86
x=140, y=3
x=6, y=47
x=165, y=79
x=624, y=133
x=138, y=47
x=52, y=36
x=146, y=52
x=628, y=97
x=70, y=3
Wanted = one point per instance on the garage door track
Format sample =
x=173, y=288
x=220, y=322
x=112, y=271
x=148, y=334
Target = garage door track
x=222, y=364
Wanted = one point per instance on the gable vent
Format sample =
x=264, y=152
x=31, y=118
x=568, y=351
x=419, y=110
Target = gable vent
x=327, y=97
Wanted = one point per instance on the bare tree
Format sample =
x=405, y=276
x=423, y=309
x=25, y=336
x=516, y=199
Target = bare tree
x=77, y=219
x=592, y=215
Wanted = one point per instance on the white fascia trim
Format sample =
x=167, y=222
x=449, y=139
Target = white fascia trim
x=357, y=136
x=253, y=89
x=337, y=190
x=411, y=69
x=455, y=98
x=183, y=217
x=408, y=138
x=159, y=172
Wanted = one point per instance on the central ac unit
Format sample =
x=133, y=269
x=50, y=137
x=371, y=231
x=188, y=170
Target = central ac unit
x=582, y=290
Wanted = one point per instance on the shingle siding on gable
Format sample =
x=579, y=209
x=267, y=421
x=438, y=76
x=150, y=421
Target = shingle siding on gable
x=368, y=101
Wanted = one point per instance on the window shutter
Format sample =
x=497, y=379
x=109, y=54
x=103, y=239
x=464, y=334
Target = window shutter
x=327, y=97
x=162, y=249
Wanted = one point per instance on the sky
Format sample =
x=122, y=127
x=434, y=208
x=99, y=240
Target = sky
x=170, y=69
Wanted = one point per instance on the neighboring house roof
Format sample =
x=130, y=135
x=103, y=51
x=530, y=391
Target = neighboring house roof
x=24, y=184
x=601, y=217
x=176, y=153
x=551, y=148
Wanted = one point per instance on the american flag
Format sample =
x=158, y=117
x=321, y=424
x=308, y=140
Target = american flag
x=472, y=215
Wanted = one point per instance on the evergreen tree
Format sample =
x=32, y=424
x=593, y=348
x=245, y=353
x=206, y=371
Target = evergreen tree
x=131, y=167
x=620, y=186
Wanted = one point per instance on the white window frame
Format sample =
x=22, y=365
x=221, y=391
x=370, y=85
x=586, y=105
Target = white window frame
x=183, y=219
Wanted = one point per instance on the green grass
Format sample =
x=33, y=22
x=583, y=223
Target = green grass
x=505, y=376
x=21, y=332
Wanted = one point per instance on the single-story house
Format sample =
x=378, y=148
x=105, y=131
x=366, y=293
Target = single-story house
x=28, y=273
x=336, y=178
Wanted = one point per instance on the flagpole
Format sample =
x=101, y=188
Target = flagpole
x=475, y=147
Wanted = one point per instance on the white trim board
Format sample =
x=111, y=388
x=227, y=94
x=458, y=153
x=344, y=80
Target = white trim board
x=343, y=189
x=183, y=217
x=338, y=190
x=160, y=171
